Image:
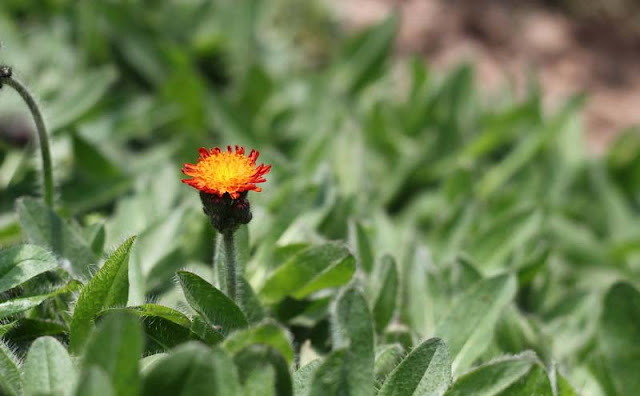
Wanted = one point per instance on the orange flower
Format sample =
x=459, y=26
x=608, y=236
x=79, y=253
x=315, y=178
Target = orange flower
x=219, y=172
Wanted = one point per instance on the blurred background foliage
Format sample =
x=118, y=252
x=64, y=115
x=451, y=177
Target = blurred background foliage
x=455, y=184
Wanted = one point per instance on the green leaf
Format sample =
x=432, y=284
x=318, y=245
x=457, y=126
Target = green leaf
x=45, y=228
x=536, y=382
x=362, y=246
x=268, y=333
x=48, y=369
x=513, y=375
x=327, y=378
x=247, y=299
x=416, y=302
x=249, y=302
x=205, y=331
x=618, y=334
x=516, y=332
x=353, y=331
x=10, y=377
x=523, y=153
x=260, y=382
x=153, y=245
x=26, y=330
x=116, y=347
x=96, y=236
x=303, y=376
x=426, y=371
x=364, y=57
x=108, y=288
x=79, y=96
x=17, y=305
x=94, y=382
x=18, y=264
x=313, y=269
x=387, y=358
x=166, y=328
x=258, y=358
x=213, y=305
x=384, y=306
x=192, y=369
x=147, y=363
x=468, y=327
x=564, y=388
x=91, y=163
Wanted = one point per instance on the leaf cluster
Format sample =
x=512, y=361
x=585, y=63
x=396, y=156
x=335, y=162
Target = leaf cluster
x=414, y=238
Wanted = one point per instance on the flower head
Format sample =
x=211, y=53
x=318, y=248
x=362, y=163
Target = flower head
x=219, y=172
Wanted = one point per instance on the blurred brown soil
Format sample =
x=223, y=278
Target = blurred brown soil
x=510, y=40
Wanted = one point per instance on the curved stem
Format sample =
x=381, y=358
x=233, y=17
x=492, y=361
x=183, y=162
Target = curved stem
x=230, y=263
x=43, y=136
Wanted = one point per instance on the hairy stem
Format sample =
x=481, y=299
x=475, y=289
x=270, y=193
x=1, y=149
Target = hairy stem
x=43, y=136
x=230, y=263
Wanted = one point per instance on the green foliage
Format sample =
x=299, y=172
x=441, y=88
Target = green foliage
x=468, y=326
x=353, y=332
x=18, y=264
x=267, y=333
x=618, y=334
x=218, y=310
x=192, y=369
x=115, y=347
x=48, y=369
x=413, y=238
x=21, y=304
x=11, y=381
x=108, y=288
x=386, y=292
x=312, y=269
x=166, y=328
x=517, y=375
x=425, y=371
x=262, y=364
x=45, y=228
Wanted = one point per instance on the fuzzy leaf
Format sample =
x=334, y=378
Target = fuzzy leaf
x=268, y=333
x=426, y=371
x=386, y=273
x=353, y=331
x=619, y=337
x=116, y=346
x=10, y=377
x=108, y=288
x=94, y=382
x=192, y=369
x=43, y=227
x=48, y=369
x=259, y=358
x=18, y=264
x=303, y=376
x=468, y=328
x=388, y=356
x=166, y=328
x=513, y=376
x=327, y=377
x=213, y=305
x=21, y=304
x=313, y=269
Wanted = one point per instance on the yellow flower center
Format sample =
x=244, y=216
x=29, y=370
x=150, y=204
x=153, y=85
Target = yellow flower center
x=219, y=172
x=226, y=171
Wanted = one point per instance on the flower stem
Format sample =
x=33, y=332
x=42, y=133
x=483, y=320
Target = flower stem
x=43, y=136
x=230, y=263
